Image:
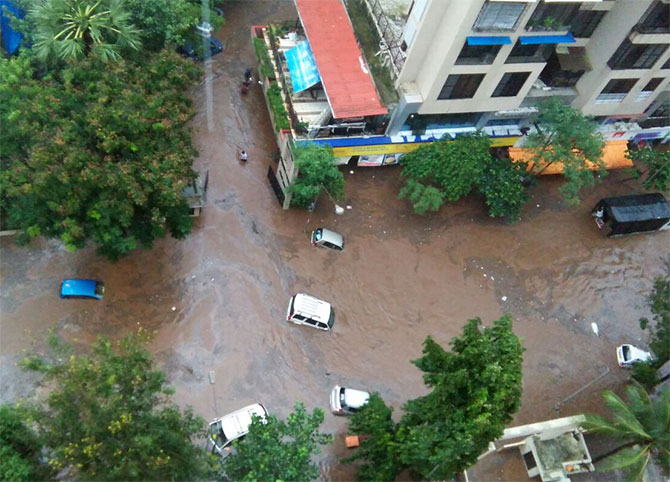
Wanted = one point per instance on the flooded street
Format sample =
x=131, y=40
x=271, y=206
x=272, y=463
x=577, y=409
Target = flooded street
x=400, y=278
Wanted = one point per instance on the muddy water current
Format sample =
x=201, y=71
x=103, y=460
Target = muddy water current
x=218, y=299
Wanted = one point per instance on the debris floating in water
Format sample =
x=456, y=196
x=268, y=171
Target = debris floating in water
x=504, y=298
x=594, y=327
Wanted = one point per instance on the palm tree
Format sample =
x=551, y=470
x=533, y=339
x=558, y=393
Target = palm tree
x=642, y=424
x=72, y=29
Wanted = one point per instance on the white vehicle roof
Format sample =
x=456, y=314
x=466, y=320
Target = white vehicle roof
x=355, y=398
x=636, y=354
x=237, y=423
x=308, y=304
x=331, y=236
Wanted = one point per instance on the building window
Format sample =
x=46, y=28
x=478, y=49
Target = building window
x=552, y=16
x=496, y=16
x=653, y=84
x=477, y=54
x=522, y=54
x=636, y=56
x=666, y=65
x=460, y=86
x=648, y=90
x=656, y=19
x=615, y=91
x=510, y=84
x=586, y=22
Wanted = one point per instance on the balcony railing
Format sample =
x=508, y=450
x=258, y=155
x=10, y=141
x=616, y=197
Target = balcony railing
x=390, y=44
x=610, y=98
x=643, y=95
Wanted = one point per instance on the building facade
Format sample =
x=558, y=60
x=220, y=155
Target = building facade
x=487, y=63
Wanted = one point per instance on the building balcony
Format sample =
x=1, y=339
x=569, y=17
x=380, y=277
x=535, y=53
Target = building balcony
x=379, y=27
x=649, y=37
x=610, y=98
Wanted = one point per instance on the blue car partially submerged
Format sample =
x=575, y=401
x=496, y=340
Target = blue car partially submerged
x=82, y=288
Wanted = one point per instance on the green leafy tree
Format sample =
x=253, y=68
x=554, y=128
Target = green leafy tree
x=97, y=152
x=475, y=389
x=74, y=29
x=169, y=23
x=162, y=23
x=641, y=427
x=378, y=449
x=502, y=186
x=20, y=446
x=447, y=170
x=277, y=449
x=564, y=135
x=316, y=171
x=659, y=325
x=452, y=167
x=653, y=166
x=110, y=416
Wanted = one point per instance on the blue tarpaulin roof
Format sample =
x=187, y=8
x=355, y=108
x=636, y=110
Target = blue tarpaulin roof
x=10, y=38
x=498, y=40
x=302, y=66
x=547, y=39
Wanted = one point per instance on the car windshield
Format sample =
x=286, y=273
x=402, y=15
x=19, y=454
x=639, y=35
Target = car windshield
x=342, y=404
x=318, y=235
x=626, y=352
x=331, y=319
x=99, y=289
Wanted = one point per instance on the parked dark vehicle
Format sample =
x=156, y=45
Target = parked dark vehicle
x=638, y=213
x=190, y=50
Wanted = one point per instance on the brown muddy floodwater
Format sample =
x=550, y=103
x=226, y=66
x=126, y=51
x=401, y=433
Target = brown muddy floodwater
x=400, y=278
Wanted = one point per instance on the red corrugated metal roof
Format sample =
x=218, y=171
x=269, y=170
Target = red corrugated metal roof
x=344, y=73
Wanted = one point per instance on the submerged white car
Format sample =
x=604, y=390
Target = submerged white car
x=628, y=355
x=346, y=401
x=223, y=431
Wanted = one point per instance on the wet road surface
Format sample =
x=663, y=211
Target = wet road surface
x=400, y=278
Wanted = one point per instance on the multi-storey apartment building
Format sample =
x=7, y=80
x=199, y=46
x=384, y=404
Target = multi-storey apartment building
x=459, y=66
x=486, y=63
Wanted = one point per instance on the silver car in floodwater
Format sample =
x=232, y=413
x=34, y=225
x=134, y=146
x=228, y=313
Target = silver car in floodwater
x=327, y=239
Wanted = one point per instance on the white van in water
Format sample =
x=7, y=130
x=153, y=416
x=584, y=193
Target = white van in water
x=346, y=401
x=628, y=355
x=327, y=238
x=307, y=310
x=223, y=431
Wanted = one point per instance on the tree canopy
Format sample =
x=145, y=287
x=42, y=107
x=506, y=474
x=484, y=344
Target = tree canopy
x=378, y=448
x=564, y=135
x=275, y=449
x=447, y=170
x=659, y=325
x=20, y=446
x=641, y=427
x=475, y=390
x=73, y=29
x=97, y=152
x=316, y=171
x=652, y=166
x=109, y=416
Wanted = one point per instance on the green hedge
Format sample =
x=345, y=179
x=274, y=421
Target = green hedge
x=263, y=57
x=277, y=106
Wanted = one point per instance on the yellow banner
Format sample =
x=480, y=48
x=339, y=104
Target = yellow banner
x=370, y=150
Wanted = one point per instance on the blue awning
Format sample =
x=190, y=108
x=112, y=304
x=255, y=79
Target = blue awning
x=547, y=39
x=489, y=40
x=302, y=67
